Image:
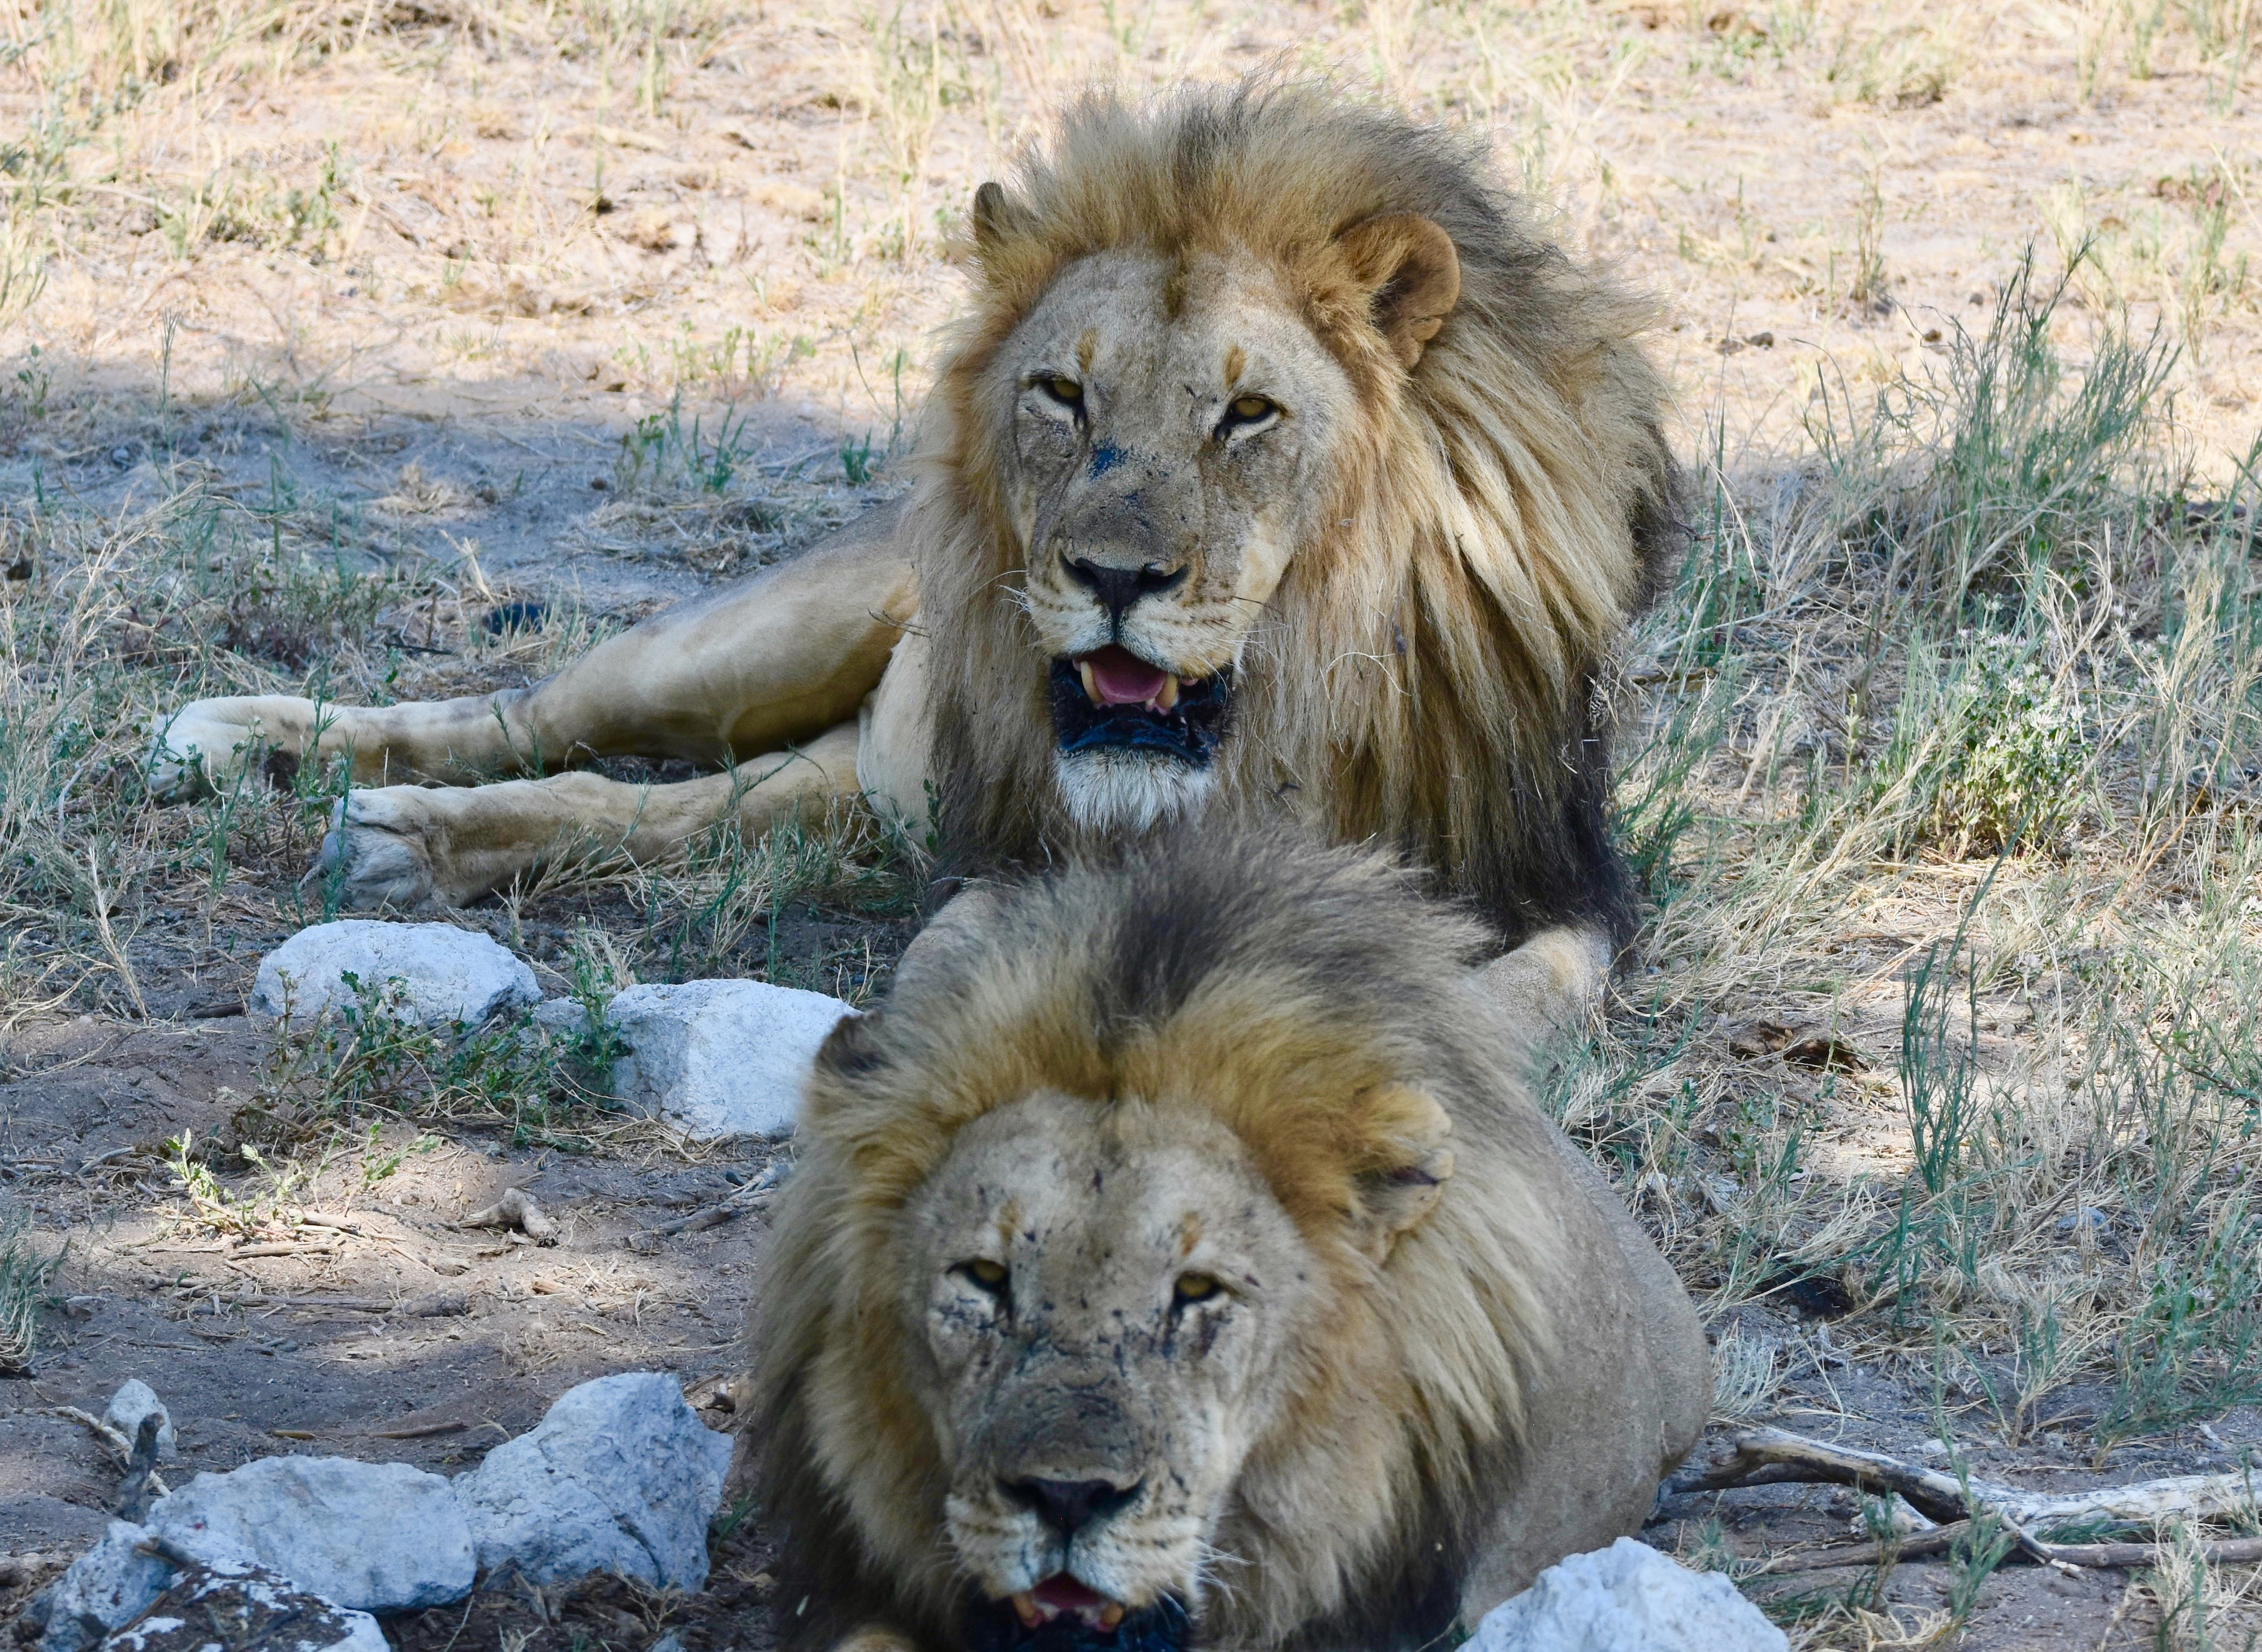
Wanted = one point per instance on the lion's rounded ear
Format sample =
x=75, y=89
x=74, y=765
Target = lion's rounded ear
x=1412, y=275
x=852, y=1047
x=994, y=217
x=1396, y=1195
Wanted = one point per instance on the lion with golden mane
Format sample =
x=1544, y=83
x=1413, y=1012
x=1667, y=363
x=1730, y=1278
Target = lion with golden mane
x=1280, y=468
x=1177, y=1256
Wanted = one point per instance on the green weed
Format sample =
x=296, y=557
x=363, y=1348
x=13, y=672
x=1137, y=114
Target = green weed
x=23, y=1276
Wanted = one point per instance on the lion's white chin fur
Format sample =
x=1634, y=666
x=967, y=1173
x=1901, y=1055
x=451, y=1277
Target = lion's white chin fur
x=1126, y=793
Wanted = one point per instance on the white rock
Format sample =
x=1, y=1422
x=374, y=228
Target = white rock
x=1627, y=1598
x=446, y=974
x=720, y=1057
x=111, y=1585
x=567, y=1016
x=134, y=1401
x=256, y=1611
x=619, y=1477
x=378, y=1536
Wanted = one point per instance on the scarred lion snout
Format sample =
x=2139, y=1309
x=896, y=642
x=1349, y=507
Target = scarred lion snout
x=1124, y=680
x=1067, y=1524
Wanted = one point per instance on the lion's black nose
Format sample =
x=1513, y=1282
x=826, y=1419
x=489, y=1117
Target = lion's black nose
x=1118, y=587
x=1070, y=1505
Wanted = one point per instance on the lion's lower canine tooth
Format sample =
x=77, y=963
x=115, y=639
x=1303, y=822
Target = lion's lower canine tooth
x=1025, y=1605
x=1111, y=1613
x=1091, y=688
x=1169, y=697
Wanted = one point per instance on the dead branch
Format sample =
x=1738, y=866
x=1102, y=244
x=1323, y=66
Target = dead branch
x=140, y=1486
x=2237, y=1551
x=1936, y=1540
x=516, y=1209
x=121, y=1447
x=280, y=1247
x=755, y=1195
x=1771, y=1456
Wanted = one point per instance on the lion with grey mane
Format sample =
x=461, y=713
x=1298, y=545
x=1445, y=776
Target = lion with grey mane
x=1278, y=469
x=1177, y=1256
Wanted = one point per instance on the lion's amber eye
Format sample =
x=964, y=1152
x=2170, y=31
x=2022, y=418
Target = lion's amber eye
x=1248, y=409
x=1065, y=390
x=1197, y=1287
x=989, y=1275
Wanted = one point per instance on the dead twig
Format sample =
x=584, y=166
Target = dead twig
x=280, y=1247
x=1770, y=1456
x=754, y=1196
x=517, y=1209
x=137, y=1489
x=315, y=1219
x=435, y=1304
x=1915, y=1545
x=118, y=1443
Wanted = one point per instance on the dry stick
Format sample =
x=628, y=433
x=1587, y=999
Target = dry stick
x=1914, y=1546
x=111, y=1438
x=435, y=1304
x=1770, y=1456
x=135, y=1490
x=516, y=1209
x=279, y=1247
x=422, y=1431
x=753, y=1196
x=2237, y=1551
x=343, y=1224
x=707, y=1217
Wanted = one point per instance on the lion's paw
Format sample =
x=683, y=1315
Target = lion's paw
x=376, y=853
x=206, y=744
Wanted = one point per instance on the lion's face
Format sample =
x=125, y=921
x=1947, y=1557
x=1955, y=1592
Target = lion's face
x=1176, y=433
x=1109, y=1297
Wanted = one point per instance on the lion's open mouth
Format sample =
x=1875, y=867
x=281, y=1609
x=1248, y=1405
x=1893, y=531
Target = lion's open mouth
x=1060, y=1594
x=1111, y=697
x=1062, y=1614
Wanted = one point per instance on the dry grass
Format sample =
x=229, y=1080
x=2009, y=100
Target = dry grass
x=1944, y=756
x=1948, y=783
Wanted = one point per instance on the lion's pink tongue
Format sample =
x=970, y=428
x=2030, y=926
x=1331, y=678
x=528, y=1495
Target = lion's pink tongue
x=1120, y=677
x=1064, y=1593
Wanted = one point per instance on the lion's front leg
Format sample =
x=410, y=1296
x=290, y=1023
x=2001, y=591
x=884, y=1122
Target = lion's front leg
x=774, y=661
x=403, y=846
x=1554, y=981
x=456, y=742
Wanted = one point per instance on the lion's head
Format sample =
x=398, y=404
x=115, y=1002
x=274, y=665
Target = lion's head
x=1127, y=1278
x=1282, y=460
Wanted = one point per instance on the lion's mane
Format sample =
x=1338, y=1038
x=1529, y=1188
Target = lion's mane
x=1289, y=992
x=1426, y=677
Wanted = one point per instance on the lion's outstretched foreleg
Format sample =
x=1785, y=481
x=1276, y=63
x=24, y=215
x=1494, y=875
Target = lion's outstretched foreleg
x=763, y=664
x=402, y=846
x=458, y=742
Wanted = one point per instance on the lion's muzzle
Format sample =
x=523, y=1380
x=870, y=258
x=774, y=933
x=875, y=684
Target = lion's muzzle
x=998, y=1626
x=1111, y=699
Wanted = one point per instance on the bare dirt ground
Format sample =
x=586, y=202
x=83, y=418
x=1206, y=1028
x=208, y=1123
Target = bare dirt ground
x=390, y=350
